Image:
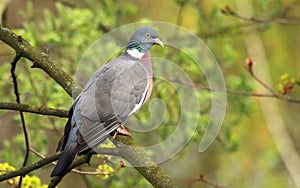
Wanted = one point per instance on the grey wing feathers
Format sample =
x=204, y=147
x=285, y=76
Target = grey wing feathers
x=115, y=91
x=112, y=96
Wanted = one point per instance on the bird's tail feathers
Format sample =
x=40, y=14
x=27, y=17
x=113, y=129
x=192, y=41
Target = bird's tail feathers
x=64, y=163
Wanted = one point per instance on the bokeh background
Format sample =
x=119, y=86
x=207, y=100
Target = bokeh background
x=258, y=145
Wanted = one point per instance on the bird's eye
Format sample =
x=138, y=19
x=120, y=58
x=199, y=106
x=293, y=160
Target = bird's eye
x=148, y=34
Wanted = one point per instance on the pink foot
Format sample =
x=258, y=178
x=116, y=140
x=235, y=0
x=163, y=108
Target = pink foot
x=121, y=130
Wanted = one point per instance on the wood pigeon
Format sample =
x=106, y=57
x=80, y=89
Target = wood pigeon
x=113, y=93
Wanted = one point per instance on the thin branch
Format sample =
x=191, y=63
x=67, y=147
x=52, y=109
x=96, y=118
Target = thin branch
x=42, y=110
x=248, y=66
x=107, y=151
x=234, y=30
x=204, y=179
x=41, y=99
x=37, y=153
x=122, y=165
x=229, y=12
x=47, y=160
x=18, y=100
x=40, y=155
x=40, y=60
x=233, y=92
x=82, y=160
x=274, y=94
x=25, y=170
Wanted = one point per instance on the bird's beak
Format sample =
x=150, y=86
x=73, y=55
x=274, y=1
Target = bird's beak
x=158, y=42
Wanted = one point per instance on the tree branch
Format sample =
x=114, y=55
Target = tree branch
x=229, y=12
x=273, y=93
x=47, y=160
x=122, y=165
x=142, y=163
x=42, y=110
x=18, y=100
x=234, y=30
x=204, y=179
x=40, y=60
x=82, y=160
x=25, y=170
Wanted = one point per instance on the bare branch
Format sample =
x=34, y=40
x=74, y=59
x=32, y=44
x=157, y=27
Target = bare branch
x=229, y=12
x=274, y=94
x=42, y=110
x=234, y=30
x=204, y=179
x=24, y=127
x=121, y=165
x=29, y=168
x=82, y=160
x=47, y=160
x=242, y=93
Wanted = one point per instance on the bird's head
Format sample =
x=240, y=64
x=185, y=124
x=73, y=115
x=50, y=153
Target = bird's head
x=141, y=41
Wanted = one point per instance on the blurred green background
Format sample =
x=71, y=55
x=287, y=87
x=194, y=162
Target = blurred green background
x=258, y=144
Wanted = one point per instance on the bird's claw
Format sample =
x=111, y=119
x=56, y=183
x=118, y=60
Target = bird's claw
x=121, y=130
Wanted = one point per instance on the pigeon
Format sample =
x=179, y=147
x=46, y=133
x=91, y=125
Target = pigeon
x=115, y=91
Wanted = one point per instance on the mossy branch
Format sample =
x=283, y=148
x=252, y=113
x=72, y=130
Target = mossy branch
x=40, y=60
x=134, y=155
x=25, y=170
x=142, y=163
x=42, y=110
x=47, y=160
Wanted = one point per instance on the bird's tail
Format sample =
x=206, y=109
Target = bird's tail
x=64, y=162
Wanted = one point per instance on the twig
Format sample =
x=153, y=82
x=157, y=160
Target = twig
x=204, y=179
x=122, y=165
x=235, y=30
x=40, y=99
x=29, y=168
x=110, y=151
x=229, y=12
x=274, y=94
x=82, y=160
x=243, y=93
x=37, y=153
x=47, y=160
x=40, y=155
x=249, y=66
x=18, y=100
x=42, y=110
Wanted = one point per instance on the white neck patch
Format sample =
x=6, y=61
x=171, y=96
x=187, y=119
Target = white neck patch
x=135, y=53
